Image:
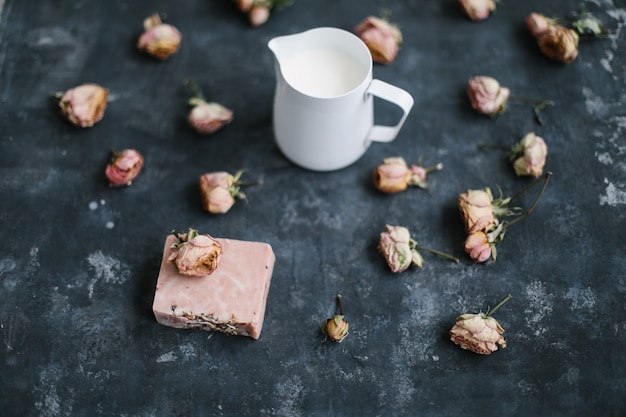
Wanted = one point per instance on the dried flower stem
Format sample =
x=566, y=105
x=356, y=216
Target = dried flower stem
x=546, y=179
x=196, y=91
x=500, y=304
x=339, y=304
x=539, y=105
x=414, y=245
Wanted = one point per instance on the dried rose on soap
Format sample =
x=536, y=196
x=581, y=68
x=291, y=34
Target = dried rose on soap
x=394, y=175
x=529, y=156
x=477, y=9
x=84, y=105
x=124, y=167
x=336, y=328
x=401, y=251
x=208, y=118
x=559, y=43
x=159, y=39
x=487, y=96
x=479, y=333
x=219, y=189
x=382, y=38
x=195, y=255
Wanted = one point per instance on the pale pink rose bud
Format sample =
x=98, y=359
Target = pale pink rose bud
x=529, y=156
x=336, y=328
x=195, y=255
x=244, y=5
x=479, y=333
x=84, y=105
x=258, y=15
x=478, y=247
x=417, y=174
x=487, y=96
x=381, y=37
x=477, y=9
x=559, y=43
x=159, y=39
x=391, y=176
x=124, y=167
x=207, y=118
x=394, y=245
x=476, y=210
x=537, y=24
x=218, y=190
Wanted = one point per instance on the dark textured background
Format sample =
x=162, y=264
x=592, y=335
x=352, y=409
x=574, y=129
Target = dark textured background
x=78, y=260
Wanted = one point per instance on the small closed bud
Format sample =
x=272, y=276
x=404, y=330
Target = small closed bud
x=219, y=190
x=124, y=167
x=195, y=255
x=207, y=118
x=84, y=105
x=487, y=96
x=477, y=9
x=394, y=175
x=382, y=38
x=258, y=15
x=529, y=156
x=559, y=43
x=537, y=24
x=159, y=40
x=477, y=246
x=336, y=328
x=479, y=333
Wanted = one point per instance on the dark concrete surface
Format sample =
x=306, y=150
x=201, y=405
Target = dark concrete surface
x=79, y=260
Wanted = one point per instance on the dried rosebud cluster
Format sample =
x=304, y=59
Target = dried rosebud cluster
x=84, y=105
x=555, y=41
x=394, y=175
x=382, y=38
x=487, y=96
x=208, y=117
x=195, y=255
x=529, y=156
x=159, y=39
x=401, y=251
x=479, y=333
x=258, y=11
x=124, y=167
x=477, y=9
x=219, y=189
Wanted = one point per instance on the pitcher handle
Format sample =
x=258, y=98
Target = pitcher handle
x=393, y=95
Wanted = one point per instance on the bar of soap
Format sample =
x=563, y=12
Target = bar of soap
x=231, y=300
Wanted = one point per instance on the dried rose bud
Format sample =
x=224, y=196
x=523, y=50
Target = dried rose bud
x=487, y=96
x=477, y=246
x=219, y=190
x=195, y=255
x=382, y=38
x=84, y=105
x=529, y=156
x=244, y=5
x=394, y=175
x=400, y=250
x=258, y=15
x=537, y=24
x=476, y=210
x=477, y=9
x=559, y=43
x=207, y=118
x=124, y=167
x=395, y=246
x=336, y=328
x=159, y=39
x=479, y=333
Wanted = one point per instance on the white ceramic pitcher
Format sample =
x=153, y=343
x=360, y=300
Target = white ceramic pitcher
x=324, y=106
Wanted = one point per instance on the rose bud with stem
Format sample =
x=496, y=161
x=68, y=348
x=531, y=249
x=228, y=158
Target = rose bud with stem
x=159, y=40
x=528, y=155
x=206, y=117
x=394, y=175
x=479, y=333
x=219, y=190
x=336, y=327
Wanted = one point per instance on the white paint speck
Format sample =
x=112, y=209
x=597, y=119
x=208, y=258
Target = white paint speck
x=540, y=305
x=167, y=357
x=110, y=225
x=436, y=358
x=93, y=205
x=613, y=196
x=102, y=202
x=106, y=268
x=604, y=158
x=594, y=103
x=581, y=298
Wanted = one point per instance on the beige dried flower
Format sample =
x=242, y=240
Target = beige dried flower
x=84, y=105
x=381, y=37
x=487, y=96
x=219, y=189
x=394, y=175
x=159, y=39
x=529, y=156
x=559, y=43
x=336, y=328
x=479, y=333
x=477, y=9
x=195, y=255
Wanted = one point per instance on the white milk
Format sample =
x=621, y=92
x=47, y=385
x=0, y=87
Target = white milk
x=323, y=72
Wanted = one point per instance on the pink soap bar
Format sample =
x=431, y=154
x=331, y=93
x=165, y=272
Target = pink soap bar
x=231, y=300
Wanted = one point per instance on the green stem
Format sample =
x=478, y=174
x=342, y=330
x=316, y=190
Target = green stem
x=194, y=88
x=340, y=304
x=500, y=304
x=546, y=178
x=439, y=253
x=539, y=105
